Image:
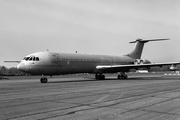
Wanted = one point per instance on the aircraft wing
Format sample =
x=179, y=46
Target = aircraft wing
x=13, y=61
x=126, y=68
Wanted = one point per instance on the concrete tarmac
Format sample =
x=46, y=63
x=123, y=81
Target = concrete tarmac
x=141, y=97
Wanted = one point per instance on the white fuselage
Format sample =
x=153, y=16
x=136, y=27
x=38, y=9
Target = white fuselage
x=50, y=63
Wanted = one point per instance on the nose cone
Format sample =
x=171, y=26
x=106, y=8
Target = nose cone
x=22, y=67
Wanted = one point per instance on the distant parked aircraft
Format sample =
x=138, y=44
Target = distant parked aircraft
x=51, y=63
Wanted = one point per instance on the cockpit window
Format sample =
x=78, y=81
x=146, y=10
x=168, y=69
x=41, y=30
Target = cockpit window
x=33, y=58
x=37, y=59
x=27, y=58
x=30, y=59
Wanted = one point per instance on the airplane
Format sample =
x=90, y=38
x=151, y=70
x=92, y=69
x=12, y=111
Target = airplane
x=52, y=63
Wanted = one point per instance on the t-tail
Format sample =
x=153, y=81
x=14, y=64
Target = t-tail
x=137, y=52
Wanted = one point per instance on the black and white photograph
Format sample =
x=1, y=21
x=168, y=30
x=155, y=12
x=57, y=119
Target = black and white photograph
x=89, y=60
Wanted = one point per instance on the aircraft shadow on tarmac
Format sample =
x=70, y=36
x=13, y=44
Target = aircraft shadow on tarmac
x=115, y=79
x=4, y=78
x=69, y=81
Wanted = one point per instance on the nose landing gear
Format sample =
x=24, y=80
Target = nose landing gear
x=43, y=79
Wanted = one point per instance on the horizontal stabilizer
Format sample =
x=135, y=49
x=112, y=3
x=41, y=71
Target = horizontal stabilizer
x=13, y=61
x=144, y=41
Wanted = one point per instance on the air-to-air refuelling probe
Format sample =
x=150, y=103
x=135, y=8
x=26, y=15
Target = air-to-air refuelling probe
x=51, y=63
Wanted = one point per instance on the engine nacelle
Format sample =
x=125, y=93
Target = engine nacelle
x=139, y=61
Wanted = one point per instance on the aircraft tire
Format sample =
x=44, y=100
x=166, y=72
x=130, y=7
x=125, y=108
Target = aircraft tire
x=126, y=76
x=43, y=80
x=122, y=76
x=97, y=76
x=102, y=77
x=119, y=77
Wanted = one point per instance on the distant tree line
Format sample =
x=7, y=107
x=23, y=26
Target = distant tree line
x=4, y=71
x=158, y=69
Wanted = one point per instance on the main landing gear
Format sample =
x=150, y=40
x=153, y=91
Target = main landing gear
x=43, y=80
x=100, y=76
x=122, y=75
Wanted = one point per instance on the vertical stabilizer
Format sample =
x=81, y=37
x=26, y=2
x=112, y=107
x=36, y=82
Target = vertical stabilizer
x=137, y=52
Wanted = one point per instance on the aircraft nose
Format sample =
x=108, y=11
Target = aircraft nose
x=21, y=67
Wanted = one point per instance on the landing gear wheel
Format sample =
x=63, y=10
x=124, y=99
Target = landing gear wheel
x=100, y=77
x=119, y=77
x=125, y=76
x=97, y=76
x=43, y=80
x=122, y=76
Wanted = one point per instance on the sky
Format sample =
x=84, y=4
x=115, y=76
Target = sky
x=89, y=26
